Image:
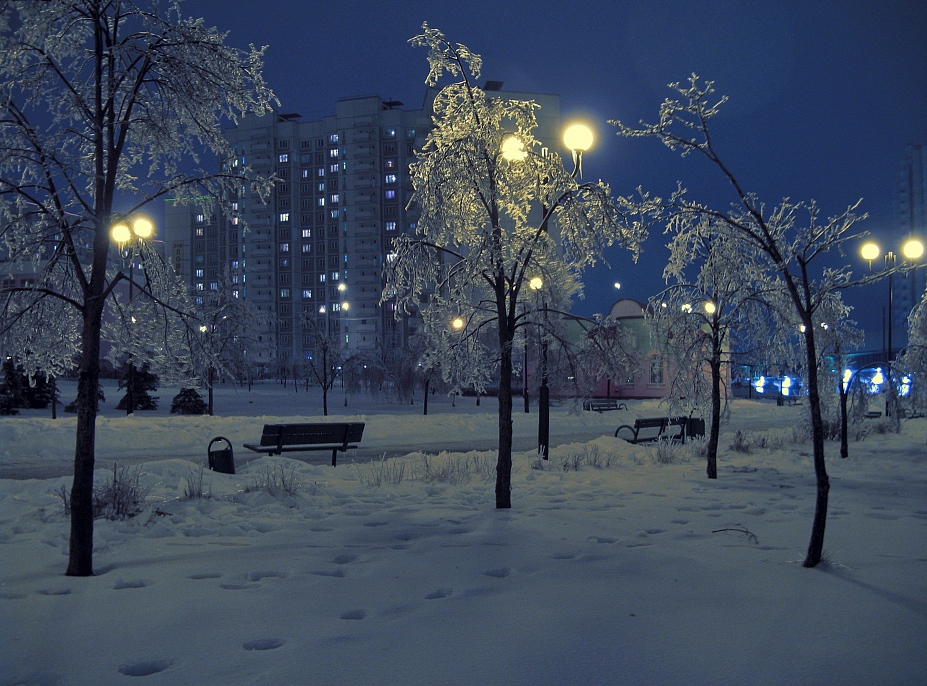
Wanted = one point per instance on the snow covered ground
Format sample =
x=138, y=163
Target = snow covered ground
x=622, y=571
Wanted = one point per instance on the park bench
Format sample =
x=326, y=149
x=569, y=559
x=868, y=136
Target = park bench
x=603, y=404
x=277, y=439
x=653, y=429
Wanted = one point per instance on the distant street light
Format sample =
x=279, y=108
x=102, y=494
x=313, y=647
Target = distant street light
x=139, y=229
x=911, y=250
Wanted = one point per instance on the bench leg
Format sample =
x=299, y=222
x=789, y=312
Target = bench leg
x=334, y=457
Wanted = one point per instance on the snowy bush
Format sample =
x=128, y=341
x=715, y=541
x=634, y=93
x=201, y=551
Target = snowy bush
x=122, y=497
x=457, y=469
x=384, y=472
x=276, y=480
x=195, y=488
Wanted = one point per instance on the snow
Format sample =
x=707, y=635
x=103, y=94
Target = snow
x=630, y=572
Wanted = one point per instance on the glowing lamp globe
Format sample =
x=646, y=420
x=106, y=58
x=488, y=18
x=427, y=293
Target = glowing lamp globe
x=869, y=251
x=578, y=137
x=913, y=249
x=513, y=149
x=142, y=227
x=120, y=232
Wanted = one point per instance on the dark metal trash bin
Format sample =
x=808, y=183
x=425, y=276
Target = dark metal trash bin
x=221, y=459
x=695, y=427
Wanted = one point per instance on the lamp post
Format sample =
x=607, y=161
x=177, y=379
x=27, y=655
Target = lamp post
x=139, y=230
x=578, y=139
x=911, y=250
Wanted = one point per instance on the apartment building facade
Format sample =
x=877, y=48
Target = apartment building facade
x=912, y=223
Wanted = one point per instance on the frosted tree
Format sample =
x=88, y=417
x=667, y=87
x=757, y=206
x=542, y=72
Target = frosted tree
x=606, y=351
x=790, y=239
x=328, y=356
x=717, y=290
x=222, y=335
x=475, y=250
x=914, y=357
x=105, y=105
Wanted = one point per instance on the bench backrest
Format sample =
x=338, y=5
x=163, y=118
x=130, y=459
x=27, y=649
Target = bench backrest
x=649, y=422
x=312, y=434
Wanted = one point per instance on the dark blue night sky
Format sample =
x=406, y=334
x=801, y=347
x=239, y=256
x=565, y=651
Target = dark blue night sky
x=824, y=95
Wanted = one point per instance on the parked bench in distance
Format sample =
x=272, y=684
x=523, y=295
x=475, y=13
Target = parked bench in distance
x=603, y=405
x=277, y=439
x=653, y=429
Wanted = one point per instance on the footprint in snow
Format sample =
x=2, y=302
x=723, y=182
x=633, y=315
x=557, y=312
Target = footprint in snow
x=344, y=559
x=205, y=575
x=130, y=583
x=499, y=573
x=257, y=576
x=354, y=614
x=440, y=593
x=145, y=667
x=263, y=644
x=337, y=573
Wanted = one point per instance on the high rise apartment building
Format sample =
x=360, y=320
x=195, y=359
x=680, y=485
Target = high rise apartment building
x=912, y=221
x=313, y=254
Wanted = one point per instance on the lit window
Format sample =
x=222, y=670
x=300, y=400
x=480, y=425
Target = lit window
x=321, y=202
x=333, y=153
x=334, y=214
x=200, y=286
x=283, y=158
x=320, y=171
x=333, y=138
x=234, y=221
x=284, y=216
x=335, y=198
x=322, y=278
x=336, y=307
x=390, y=226
x=200, y=218
x=390, y=164
x=390, y=133
x=390, y=178
x=390, y=195
x=199, y=230
x=307, y=247
x=235, y=205
x=213, y=286
x=333, y=168
x=235, y=293
x=307, y=294
x=199, y=273
x=284, y=293
x=307, y=233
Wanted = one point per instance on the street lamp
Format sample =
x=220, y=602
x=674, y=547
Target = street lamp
x=123, y=232
x=911, y=250
x=578, y=139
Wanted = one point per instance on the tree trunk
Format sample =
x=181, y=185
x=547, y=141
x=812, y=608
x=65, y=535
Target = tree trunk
x=427, y=383
x=209, y=380
x=504, y=463
x=715, y=430
x=80, y=553
x=816, y=544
